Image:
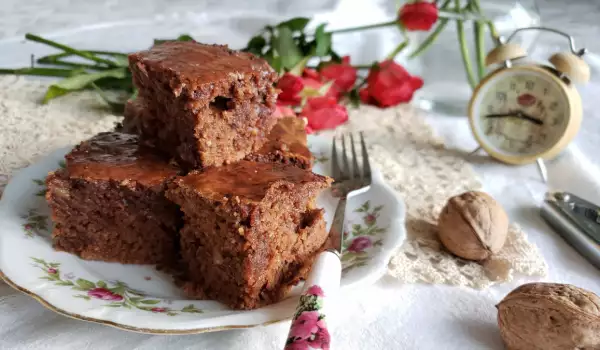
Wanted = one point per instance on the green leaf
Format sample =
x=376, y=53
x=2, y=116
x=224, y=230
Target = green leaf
x=185, y=37
x=286, y=48
x=79, y=289
x=39, y=182
x=276, y=64
x=101, y=284
x=171, y=313
x=84, y=297
x=135, y=299
x=53, y=264
x=296, y=24
x=323, y=40
x=116, y=104
x=117, y=305
x=47, y=278
x=299, y=67
x=39, y=261
x=62, y=164
x=256, y=44
x=378, y=208
x=80, y=82
x=150, y=301
x=41, y=193
x=191, y=308
x=85, y=284
x=64, y=283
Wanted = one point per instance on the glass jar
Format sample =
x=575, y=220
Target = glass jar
x=446, y=89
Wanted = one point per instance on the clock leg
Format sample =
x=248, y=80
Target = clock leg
x=475, y=151
x=542, y=169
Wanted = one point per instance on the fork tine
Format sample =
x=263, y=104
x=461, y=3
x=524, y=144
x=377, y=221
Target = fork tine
x=346, y=167
x=357, y=173
x=336, y=172
x=365, y=156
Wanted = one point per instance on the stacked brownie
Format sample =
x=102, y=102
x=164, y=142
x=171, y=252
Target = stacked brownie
x=200, y=172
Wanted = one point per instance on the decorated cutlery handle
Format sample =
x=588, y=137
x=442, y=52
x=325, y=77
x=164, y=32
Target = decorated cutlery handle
x=309, y=326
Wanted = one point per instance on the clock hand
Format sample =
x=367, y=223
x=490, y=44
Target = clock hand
x=500, y=115
x=529, y=118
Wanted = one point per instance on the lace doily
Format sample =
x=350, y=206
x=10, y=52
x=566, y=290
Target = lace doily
x=401, y=144
x=426, y=174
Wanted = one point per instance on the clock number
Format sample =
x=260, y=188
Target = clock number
x=545, y=91
x=529, y=85
x=513, y=86
x=501, y=96
x=553, y=106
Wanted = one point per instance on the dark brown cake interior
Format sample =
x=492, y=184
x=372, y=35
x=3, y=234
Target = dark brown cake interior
x=108, y=203
x=251, y=228
x=210, y=105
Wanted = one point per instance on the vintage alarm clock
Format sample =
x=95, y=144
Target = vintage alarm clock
x=524, y=111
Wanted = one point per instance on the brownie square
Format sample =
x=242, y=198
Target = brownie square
x=251, y=230
x=286, y=144
x=108, y=202
x=212, y=105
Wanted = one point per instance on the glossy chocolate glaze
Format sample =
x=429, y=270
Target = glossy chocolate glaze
x=117, y=156
x=287, y=136
x=245, y=179
x=196, y=65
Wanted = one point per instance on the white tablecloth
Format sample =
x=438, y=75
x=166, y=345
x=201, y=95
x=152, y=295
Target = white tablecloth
x=387, y=315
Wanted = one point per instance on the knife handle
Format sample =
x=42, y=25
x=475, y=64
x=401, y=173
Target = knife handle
x=309, y=326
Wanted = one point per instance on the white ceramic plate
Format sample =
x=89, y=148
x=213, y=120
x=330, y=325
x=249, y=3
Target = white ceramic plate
x=141, y=299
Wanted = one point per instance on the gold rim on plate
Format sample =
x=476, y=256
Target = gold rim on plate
x=60, y=311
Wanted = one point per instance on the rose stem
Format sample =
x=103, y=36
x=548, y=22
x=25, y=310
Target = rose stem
x=70, y=50
x=431, y=38
x=464, y=50
x=370, y=26
x=48, y=72
x=397, y=50
x=478, y=30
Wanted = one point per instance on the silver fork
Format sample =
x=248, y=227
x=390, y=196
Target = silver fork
x=323, y=282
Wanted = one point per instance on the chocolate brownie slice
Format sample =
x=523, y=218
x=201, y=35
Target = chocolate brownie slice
x=286, y=144
x=108, y=203
x=212, y=105
x=251, y=230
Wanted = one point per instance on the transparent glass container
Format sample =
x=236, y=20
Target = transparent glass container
x=446, y=89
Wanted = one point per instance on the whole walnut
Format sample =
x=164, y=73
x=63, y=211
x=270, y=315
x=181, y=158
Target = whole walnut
x=473, y=225
x=549, y=316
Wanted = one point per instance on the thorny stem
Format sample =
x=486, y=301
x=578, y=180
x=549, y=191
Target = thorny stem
x=47, y=72
x=360, y=28
x=464, y=50
x=397, y=50
x=70, y=50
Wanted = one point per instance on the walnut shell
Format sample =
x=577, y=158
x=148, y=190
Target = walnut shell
x=473, y=225
x=550, y=316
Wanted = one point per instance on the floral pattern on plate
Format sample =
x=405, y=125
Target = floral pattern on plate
x=117, y=294
x=140, y=298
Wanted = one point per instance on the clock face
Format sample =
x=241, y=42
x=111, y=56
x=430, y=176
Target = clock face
x=521, y=112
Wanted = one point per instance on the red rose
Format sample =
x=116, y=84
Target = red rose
x=158, y=309
x=359, y=244
x=419, y=15
x=389, y=84
x=290, y=86
x=104, y=294
x=323, y=112
x=342, y=74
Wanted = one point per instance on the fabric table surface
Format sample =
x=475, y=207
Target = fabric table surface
x=387, y=315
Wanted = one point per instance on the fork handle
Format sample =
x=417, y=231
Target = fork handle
x=309, y=327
